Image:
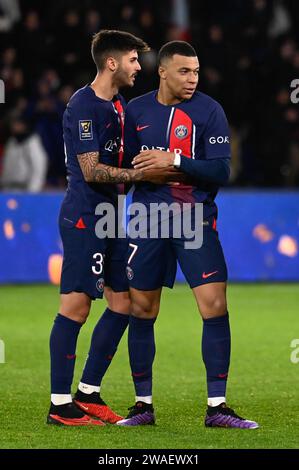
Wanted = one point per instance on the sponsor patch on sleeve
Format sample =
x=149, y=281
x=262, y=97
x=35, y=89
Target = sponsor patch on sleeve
x=85, y=130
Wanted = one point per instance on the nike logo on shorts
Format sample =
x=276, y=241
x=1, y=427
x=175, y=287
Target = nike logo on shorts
x=206, y=275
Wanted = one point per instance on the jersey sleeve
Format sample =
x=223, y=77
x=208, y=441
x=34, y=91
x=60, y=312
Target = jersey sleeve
x=85, y=126
x=216, y=135
x=131, y=143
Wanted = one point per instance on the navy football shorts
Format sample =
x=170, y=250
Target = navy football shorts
x=152, y=262
x=90, y=263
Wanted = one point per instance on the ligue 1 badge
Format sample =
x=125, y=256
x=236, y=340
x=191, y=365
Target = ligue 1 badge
x=85, y=130
x=181, y=131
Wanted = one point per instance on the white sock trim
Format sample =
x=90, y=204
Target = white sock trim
x=61, y=399
x=148, y=399
x=215, y=401
x=85, y=388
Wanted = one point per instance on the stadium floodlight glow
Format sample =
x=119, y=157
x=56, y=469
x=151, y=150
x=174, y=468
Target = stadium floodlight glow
x=2, y=92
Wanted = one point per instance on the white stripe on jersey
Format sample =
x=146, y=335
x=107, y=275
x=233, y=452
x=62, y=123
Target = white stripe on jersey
x=65, y=154
x=193, y=141
x=169, y=124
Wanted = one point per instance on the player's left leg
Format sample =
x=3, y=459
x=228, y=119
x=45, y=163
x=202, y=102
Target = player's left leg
x=206, y=272
x=104, y=342
x=211, y=301
x=107, y=334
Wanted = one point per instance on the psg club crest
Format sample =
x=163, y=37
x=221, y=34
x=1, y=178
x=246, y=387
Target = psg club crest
x=130, y=273
x=100, y=284
x=181, y=131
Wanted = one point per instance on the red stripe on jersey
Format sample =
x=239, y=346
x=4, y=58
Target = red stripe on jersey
x=120, y=110
x=180, y=137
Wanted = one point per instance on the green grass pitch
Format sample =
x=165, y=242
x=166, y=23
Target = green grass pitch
x=263, y=382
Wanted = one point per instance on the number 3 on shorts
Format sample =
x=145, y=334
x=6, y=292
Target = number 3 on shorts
x=135, y=247
x=98, y=268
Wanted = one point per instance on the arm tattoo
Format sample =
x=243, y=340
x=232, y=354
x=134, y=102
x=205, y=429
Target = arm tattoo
x=87, y=162
x=95, y=172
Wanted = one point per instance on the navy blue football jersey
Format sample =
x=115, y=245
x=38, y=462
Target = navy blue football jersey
x=196, y=128
x=90, y=124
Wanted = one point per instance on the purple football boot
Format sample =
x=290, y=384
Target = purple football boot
x=141, y=413
x=223, y=417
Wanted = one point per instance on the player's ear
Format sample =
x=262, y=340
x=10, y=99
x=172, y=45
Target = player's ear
x=112, y=64
x=162, y=72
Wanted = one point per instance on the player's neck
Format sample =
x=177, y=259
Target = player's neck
x=104, y=88
x=167, y=98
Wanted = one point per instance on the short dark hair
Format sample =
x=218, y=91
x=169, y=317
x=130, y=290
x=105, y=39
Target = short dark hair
x=175, y=47
x=109, y=41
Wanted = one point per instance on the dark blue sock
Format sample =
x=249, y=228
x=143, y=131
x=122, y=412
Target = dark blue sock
x=142, y=350
x=105, y=338
x=216, y=354
x=63, y=342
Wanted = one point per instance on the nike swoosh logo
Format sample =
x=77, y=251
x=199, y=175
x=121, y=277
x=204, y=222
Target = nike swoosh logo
x=136, y=374
x=84, y=407
x=206, y=275
x=70, y=356
x=140, y=128
x=222, y=376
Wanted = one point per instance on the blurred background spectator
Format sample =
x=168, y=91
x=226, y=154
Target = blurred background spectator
x=248, y=50
x=25, y=160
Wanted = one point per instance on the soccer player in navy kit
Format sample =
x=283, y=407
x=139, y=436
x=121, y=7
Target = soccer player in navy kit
x=92, y=127
x=178, y=127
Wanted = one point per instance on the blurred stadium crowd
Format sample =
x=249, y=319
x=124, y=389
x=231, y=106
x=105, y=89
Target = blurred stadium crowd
x=249, y=54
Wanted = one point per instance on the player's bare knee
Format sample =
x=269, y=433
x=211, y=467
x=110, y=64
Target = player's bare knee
x=220, y=306
x=144, y=315
x=145, y=310
x=79, y=316
x=145, y=304
x=75, y=306
x=119, y=302
x=215, y=307
x=120, y=306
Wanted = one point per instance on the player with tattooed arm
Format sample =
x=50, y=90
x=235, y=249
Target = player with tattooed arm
x=92, y=128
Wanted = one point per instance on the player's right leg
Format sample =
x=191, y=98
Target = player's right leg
x=205, y=271
x=150, y=266
x=74, y=309
x=141, y=343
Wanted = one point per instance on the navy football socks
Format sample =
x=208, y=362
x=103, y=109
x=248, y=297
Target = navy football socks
x=216, y=353
x=105, y=339
x=142, y=350
x=63, y=342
